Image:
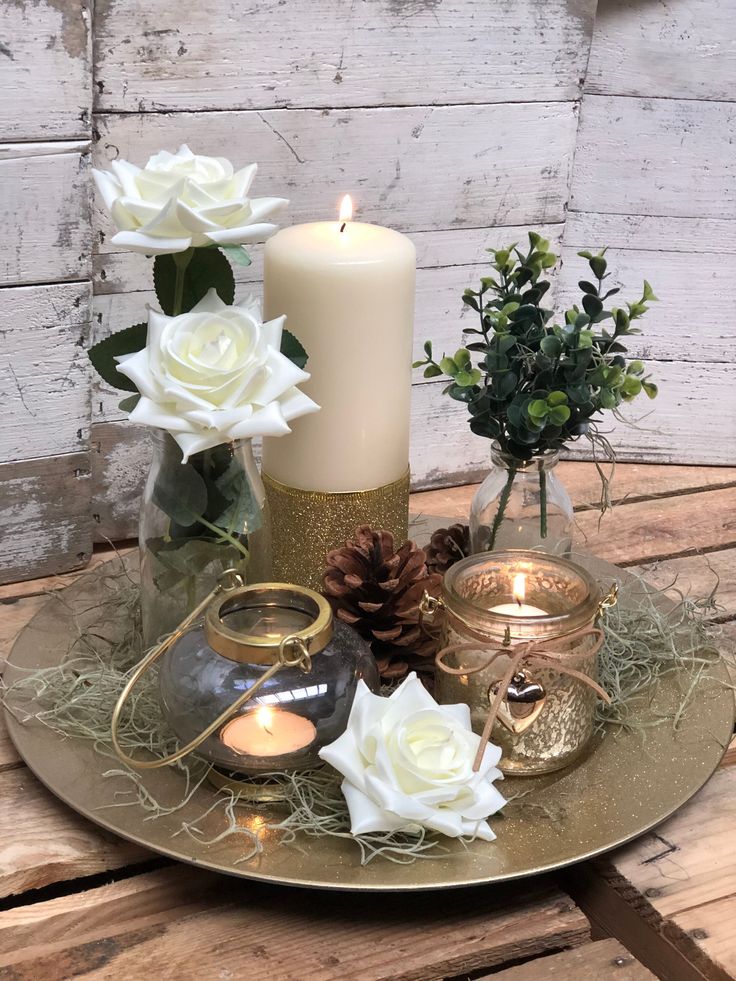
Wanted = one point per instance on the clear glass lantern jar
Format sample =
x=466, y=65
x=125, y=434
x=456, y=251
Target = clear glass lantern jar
x=493, y=602
x=257, y=680
x=521, y=504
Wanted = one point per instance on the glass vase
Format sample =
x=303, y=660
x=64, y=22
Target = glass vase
x=521, y=504
x=197, y=519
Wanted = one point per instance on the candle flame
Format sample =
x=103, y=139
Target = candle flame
x=264, y=716
x=346, y=208
x=519, y=589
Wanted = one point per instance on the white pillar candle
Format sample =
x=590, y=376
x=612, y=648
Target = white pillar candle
x=347, y=290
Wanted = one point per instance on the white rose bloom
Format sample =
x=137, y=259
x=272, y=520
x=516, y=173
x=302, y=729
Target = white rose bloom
x=408, y=761
x=180, y=200
x=215, y=374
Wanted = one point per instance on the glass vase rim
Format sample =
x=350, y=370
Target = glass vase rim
x=545, y=460
x=160, y=436
x=582, y=611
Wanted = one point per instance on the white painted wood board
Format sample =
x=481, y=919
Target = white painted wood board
x=44, y=212
x=315, y=53
x=44, y=372
x=45, y=70
x=45, y=508
x=678, y=49
x=651, y=156
x=500, y=164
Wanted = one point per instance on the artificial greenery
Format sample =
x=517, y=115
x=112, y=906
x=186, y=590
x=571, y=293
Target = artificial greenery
x=530, y=383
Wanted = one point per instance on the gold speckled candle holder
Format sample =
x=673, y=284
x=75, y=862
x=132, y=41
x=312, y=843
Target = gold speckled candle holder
x=307, y=524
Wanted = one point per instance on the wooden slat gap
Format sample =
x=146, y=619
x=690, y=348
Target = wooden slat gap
x=43, y=282
x=658, y=495
x=685, y=553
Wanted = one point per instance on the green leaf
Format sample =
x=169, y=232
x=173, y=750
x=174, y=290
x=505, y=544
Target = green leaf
x=592, y=305
x=538, y=409
x=551, y=346
x=181, y=493
x=462, y=358
x=207, y=268
x=237, y=254
x=242, y=513
x=432, y=371
x=465, y=379
x=599, y=265
x=103, y=354
x=588, y=287
x=585, y=254
x=559, y=415
x=129, y=403
x=448, y=366
x=428, y=348
x=292, y=349
x=650, y=389
x=648, y=292
x=557, y=398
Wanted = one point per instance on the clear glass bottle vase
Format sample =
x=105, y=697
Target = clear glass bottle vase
x=521, y=504
x=197, y=519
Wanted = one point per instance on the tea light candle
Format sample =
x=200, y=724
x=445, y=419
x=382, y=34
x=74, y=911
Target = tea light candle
x=519, y=608
x=268, y=732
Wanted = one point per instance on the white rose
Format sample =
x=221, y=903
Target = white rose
x=215, y=374
x=408, y=761
x=179, y=200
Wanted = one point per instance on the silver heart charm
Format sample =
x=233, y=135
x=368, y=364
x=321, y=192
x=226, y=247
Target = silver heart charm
x=523, y=702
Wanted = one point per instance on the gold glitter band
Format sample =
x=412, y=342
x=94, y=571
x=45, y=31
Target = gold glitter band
x=307, y=524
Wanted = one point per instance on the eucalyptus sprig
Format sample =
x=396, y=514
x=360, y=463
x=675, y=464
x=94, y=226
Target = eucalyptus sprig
x=535, y=384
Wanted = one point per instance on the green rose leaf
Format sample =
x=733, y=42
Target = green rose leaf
x=181, y=493
x=103, y=354
x=207, y=268
x=292, y=349
x=128, y=404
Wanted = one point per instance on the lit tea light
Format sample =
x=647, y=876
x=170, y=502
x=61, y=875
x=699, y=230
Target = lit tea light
x=268, y=732
x=518, y=608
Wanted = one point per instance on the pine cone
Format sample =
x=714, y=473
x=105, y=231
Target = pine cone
x=377, y=591
x=447, y=546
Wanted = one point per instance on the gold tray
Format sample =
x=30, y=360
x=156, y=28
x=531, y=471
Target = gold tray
x=628, y=783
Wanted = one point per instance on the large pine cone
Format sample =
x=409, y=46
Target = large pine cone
x=377, y=591
x=447, y=546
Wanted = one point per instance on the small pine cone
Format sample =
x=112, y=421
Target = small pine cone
x=447, y=546
x=377, y=590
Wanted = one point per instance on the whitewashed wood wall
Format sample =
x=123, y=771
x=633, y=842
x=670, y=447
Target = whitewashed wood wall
x=460, y=122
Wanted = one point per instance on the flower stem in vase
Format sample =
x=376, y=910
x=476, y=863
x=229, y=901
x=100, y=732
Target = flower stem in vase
x=502, y=504
x=543, y=503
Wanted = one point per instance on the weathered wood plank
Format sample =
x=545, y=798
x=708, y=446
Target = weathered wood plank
x=51, y=843
x=632, y=483
x=46, y=524
x=44, y=212
x=369, y=937
x=697, y=576
x=680, y=162
x=669, y=330
x=681, y=49
x=44, y=370
x=371, y=55
x=45, y=70
x=47, y=584
x=120, y=454
x=605, y=960
x=679, y=883
x=508, y=163
x=650, y=233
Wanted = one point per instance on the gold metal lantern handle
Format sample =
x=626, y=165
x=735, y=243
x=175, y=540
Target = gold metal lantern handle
x=292, y=653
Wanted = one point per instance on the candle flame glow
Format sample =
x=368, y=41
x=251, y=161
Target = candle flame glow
x=264, y=716
x=346, y=208
x=519, y=588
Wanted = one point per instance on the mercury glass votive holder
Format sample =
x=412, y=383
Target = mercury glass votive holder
x=547, y=716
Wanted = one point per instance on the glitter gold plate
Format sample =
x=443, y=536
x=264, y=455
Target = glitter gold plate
x=617, y=791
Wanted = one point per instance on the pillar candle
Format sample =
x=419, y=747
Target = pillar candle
x=347, y=290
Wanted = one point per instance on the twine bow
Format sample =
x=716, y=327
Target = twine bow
x=521, y=655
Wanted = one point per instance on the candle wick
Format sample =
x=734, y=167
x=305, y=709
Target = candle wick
x=342, y=227
x=268, y=730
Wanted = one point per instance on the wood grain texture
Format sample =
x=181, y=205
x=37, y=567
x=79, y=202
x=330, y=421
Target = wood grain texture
x=493, y=172
x=45, y=68
x=45, y=505
x=681, y=49
x=51, y=843
x=44, y=372
x=369, y=54
x=120, y=455
x=44, y=211
x=656, y=233
x=676, y=154
x=605, y=960
x=371, y=938
x=698, y=576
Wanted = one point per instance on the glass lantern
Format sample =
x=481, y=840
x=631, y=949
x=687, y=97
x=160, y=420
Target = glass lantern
x=257, y=680
x=490, y=604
